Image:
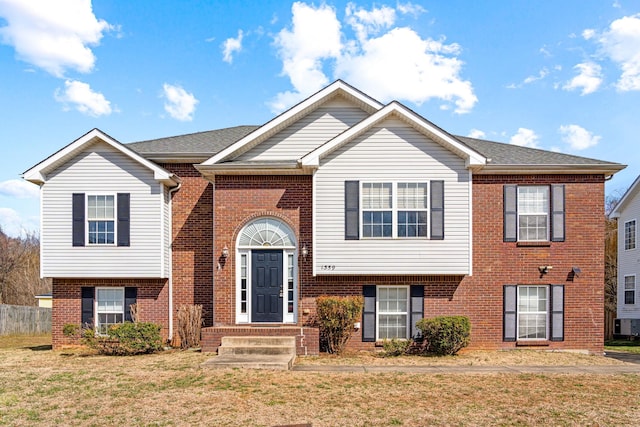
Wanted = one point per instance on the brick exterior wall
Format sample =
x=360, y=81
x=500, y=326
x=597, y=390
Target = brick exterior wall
x=238, y=200
x=152, y=300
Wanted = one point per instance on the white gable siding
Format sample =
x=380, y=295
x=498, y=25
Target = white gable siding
x=629, y=260
x=308, y=133
x=103, y=170
x=391, y=151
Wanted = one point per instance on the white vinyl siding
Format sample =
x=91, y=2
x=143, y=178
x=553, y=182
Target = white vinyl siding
x=391, y=152
x=628, y=264
x=308, y=133
x=103, y=170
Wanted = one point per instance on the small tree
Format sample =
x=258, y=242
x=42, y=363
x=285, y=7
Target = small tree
x=189, y=325
x=336, y=316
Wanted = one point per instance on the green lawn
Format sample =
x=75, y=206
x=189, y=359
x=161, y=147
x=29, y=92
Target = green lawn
x=628, y=346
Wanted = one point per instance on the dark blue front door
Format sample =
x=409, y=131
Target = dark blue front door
x=266, y=286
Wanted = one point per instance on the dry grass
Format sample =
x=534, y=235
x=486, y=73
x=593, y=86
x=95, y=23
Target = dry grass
x=42, y=387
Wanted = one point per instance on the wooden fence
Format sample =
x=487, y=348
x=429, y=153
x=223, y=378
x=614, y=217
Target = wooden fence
x=609, y=320
x=18, y=319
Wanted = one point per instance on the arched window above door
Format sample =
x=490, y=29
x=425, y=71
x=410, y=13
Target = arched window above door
x=266, y=232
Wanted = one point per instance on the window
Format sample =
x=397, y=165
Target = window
x=101, y=220
x=109, y=308
x=376, y=209
x=412, y=209
x=393, y=307
x=532, y=312
x=630, y=289
x=630, y=235
x=290, y=284
x=243, y=283
x=533, y=213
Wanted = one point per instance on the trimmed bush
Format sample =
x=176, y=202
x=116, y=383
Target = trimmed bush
x=395, y=347
x=336, y=316
x=123, y=339
x=445, y=335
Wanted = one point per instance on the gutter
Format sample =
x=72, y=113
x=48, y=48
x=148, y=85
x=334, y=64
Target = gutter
x=171, y=191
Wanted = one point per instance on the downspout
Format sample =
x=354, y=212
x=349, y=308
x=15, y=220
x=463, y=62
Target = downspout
x=171, y=191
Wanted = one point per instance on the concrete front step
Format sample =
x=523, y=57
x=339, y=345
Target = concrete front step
x=257, y=349
x=246, y=341
x=251, y=361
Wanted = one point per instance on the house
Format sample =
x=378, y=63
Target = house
x=627, y=213
x=339, y=195
x=44, y=300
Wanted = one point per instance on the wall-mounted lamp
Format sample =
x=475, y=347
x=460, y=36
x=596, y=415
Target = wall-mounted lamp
x=576, y=271
x=544, y=269
x=305, y=251
x=225, y=252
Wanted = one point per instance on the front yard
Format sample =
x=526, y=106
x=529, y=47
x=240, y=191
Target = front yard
x=39, y=386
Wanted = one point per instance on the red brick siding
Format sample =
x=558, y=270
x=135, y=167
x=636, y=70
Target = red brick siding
x=152, y=300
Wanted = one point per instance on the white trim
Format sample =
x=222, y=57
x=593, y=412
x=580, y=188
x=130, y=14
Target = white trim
x=115, y=219
x=470, y=223
x=472, y=158
x=635, y=235
x=624, y=291
x=96, y=319
x=548, y=213
x=407, y=313
x=37, y=174
x=291, y=115
x=627, y=196
x=547, y=330
x=314, y=202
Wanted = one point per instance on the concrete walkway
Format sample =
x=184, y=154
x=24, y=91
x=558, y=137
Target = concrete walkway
x=585, y=369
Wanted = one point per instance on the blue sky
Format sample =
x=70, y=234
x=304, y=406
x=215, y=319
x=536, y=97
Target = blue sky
x=559, y=76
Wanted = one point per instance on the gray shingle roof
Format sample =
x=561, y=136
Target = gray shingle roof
x=211, y=142
x=208, y=142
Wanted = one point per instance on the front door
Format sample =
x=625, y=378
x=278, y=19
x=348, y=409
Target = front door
x=266, y=286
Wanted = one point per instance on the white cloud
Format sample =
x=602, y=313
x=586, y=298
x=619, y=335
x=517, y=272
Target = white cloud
x=19, y=189
x=83, y=98
x=476, y=133
x=53, y=35
x=15, y=225
x=589, y=78
x=388, y=63
x=578, y=137
x=231, y=46
x=588, y=34
x=620, y=43
x=541, y=75
x=410, y=9
x=179, y=103
x=525, y=138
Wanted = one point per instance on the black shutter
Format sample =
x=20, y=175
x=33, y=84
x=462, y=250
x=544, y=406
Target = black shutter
x=123, y=219
x=417, y=309
x=87, y=306
x=351, y=210
x=510, y=213
x=557, y=213
x=510, y=304
x=556, y=306
x=77, y=215
x=369, y=313
x=130, y=296
x=437, y=210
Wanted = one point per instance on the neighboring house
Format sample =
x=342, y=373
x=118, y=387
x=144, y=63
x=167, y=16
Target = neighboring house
x=44, y=300
x=340, y=195
x=627, y=212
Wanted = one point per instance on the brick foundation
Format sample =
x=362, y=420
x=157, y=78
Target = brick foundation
x=307, y=339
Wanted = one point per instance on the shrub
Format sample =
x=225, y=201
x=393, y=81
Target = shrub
x=395, y=347
x=189, y=325
x=445, y=335
x=123, y=339
x=336, y=316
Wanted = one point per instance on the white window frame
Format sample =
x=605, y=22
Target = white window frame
x=629, y=244
x=626, y=289
x=97, y=312
x=394, y=209
x=114, y=220
x=546, y=214
x=534, y=312
x=407, y=313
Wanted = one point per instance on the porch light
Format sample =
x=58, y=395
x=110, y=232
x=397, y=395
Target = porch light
x=225, y=252
x=305, y=251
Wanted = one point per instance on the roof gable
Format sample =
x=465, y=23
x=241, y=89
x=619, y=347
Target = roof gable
x=448, y=141
x=627, y=197
x=38, y=173
x=292, y=115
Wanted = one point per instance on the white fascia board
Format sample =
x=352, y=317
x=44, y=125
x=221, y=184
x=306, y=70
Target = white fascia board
x=37, y=174
x=626, y=197
x=291, y=114
x=472, y=158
